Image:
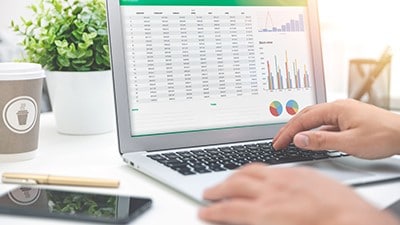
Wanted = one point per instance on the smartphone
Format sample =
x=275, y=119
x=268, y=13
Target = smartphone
x=43, y=202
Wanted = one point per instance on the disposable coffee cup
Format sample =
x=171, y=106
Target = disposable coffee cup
x=20, y=94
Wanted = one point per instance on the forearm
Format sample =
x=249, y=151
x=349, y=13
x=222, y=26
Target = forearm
x=371, y=218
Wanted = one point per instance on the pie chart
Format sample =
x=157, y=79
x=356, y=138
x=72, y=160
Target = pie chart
x=292, y=107
x=275, y=108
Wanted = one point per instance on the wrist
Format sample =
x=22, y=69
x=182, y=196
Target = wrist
x=391, y=134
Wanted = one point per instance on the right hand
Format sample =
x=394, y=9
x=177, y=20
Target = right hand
x=350, y=126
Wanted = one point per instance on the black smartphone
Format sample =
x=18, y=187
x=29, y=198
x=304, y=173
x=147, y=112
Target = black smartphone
x=43, y=202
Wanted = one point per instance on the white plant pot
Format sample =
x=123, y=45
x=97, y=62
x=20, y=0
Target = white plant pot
x=82, y=102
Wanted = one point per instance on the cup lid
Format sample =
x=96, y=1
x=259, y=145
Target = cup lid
x=20, y=71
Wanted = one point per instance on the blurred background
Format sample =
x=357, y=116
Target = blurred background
x=349, y=29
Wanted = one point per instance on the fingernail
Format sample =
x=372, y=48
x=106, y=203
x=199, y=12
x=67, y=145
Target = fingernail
x=302, y=140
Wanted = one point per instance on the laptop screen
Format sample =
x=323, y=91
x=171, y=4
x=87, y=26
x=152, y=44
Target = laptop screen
x=194, y=73
x=197, y=65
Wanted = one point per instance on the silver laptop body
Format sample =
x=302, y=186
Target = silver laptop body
x=190, y=74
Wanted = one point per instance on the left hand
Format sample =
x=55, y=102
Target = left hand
x=258, y=194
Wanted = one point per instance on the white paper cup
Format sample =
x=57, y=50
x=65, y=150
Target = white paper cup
x=20, y=95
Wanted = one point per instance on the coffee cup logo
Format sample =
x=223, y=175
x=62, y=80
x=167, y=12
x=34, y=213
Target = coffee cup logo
x=20, y=114
x=24, y=195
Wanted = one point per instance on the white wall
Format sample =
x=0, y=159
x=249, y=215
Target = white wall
x=10, y=10
x=358, y=29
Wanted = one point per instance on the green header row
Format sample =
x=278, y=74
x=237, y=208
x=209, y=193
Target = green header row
x=216, y=2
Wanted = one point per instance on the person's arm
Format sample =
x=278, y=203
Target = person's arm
x=262, y=195
x=360, y=129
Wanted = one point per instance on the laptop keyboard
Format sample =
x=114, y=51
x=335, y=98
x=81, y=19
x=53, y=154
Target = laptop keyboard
x=231, y=157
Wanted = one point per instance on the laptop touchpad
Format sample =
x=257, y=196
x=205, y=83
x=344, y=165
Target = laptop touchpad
x=337, y=170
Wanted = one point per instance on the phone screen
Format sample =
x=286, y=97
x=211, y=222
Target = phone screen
x=32, y=201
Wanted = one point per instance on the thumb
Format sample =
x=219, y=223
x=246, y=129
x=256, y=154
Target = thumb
x=317, y=140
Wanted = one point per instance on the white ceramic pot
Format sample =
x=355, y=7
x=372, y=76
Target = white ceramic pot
x=82, y=102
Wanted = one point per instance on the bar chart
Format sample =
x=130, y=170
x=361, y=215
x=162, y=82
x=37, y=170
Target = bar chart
x=292, y=25
x=290, y=75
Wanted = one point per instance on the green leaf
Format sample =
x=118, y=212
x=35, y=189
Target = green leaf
x=28, y=23
x=63, y=61
x=15, y=28
x=92, y=29
x=77, y=10
x=84, y=46
x=39, y=22
x=33, y=8
x=89, y=53
x=88, y=37
x=72, y=47
x=58, y=6
x=102, y=32
x=62, y=51
x=61, y=44
x=106, y=49
x=80, y=53
x=63, y=29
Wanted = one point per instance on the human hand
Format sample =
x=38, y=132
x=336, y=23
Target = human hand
x=350, y=126
x=262, y=195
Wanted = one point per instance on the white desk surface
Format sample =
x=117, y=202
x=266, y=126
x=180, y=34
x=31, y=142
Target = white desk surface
x=98, y=156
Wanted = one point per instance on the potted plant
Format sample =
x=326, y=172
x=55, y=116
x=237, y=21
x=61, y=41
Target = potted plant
x=69, y=39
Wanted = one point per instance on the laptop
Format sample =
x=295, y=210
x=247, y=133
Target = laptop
x=201, y=88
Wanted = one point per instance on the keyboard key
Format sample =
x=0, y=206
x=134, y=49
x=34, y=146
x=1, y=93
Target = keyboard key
x=231, y=166
x=186, y=172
